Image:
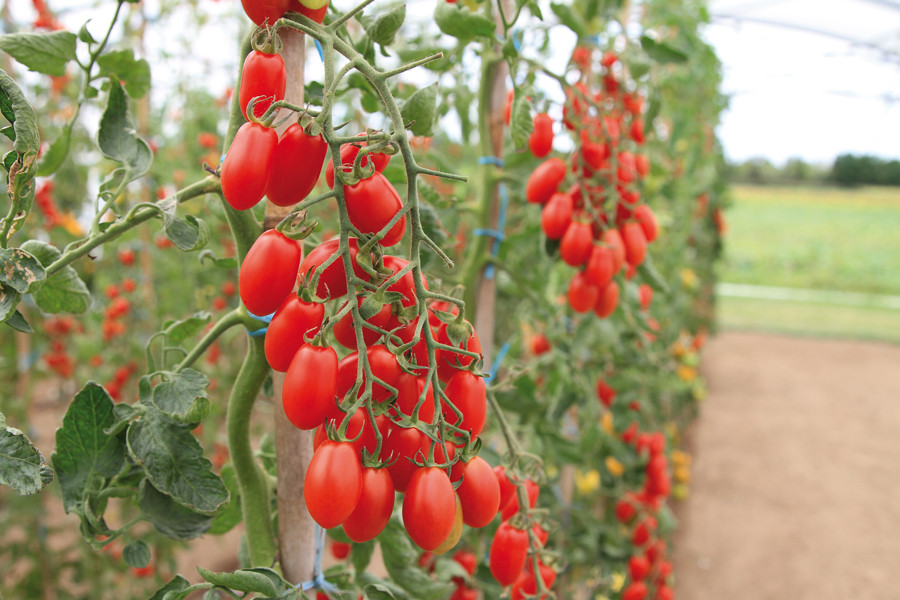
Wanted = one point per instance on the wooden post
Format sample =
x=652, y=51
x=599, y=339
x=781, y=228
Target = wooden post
x=293, y=447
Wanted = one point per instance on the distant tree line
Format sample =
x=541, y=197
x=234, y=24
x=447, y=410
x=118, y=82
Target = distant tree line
x=847, y=169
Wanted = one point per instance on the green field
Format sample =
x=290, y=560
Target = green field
x=828, y=239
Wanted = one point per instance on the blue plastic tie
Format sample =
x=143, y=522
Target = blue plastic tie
x=497, y=361
x=319, y=48
x=318, y=582
x=491, y=160
x=517, y=39
x=260, y=332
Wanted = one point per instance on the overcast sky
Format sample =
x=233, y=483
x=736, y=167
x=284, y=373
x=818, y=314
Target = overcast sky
x=801, y=94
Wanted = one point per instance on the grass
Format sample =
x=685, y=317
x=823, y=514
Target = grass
x=816, y=238
x=813, y=238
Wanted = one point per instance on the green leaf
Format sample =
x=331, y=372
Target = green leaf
x=400, y=561
x=20, y=114
x=46, y=53
x=229, y=515
x=54, y=157
x=117, y=138
x=64, y=291
x=18, y=322
x=170, y=590
x=10, y=132
x=183, y=396
x=361, y=555
x=174, y=462
x=136, y=554
x=169, y=517
x=568, y=17
x=22, y=466
x=188, y=234
x=124, y=414
x=651, y=276
x=260, y=580
x=180, y=331
x=460, y=22
x=521, y=123
x=134, y=73
x=20, y=270
x=386, y=25
x=84, y=452
x=314, y=93
x=662, y=52
x=419, y=110
x=9, y=300
x=84, y=35
x=377, y=591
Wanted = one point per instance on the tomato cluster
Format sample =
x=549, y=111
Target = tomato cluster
x=647, y=567
x=598, y=220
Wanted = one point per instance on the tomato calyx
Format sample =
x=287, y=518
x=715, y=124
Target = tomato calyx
x=266, y=39
x=295, y=227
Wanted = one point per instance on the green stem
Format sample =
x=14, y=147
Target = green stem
x=254, y=488
x=229, y=320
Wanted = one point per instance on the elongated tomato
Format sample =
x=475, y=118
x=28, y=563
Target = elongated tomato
x=268, y=272
x=296, y=165
x=333, y=483
x=371, y=204
x=373, y=511
x=247, y=165
x=429, y=508
x=262, y=75
x=310, y=386
x=293, y=320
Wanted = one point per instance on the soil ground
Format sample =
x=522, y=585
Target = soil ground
x=795, y=487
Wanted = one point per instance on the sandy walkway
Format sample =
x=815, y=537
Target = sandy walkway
x=796, y=478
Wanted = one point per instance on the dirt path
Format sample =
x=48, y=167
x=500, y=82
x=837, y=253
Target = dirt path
x=796, y=475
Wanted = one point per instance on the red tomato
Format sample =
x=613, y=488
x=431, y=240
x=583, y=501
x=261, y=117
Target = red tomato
x=449, y=362
x=599, y=270
x=635, y=591
x=638, y=567
x=371, y=204
x=645, y=293
x=317, y=15
x=545, y=180
x=541, y=139
x=507, y=487
x=126, y=256
x=262, y=75
x=349, y=152
x=310, y=387
x=577, y=243
x=609, y=59
x=641, y=534
x=468, y=393
x=644, y=215
x=404, y=445
x=637, y=131
x=333, y=280
x=540, y=344
x=429, y=508
x=406, y=285
x=532, y=489
x=642, y=163
x=382, y=363
x=607, y=300
x=479, y=492
x=409, y=389
x=468, y=561
x=345, y=334
x=340, y=550
x=373, y=511
x=333, y=483
x=627, y=171
x=293, y=320
x=261, y=11
x=614, y=240
x=625, y=511
x=295, y=166
x=664, y=593
x=507, y=111
x=509, y=552
x=635, y=243
x=557, y=215
x=247, y=165
x=268, y=272
x=582, y=293
x=526, y=585
x=606, y=393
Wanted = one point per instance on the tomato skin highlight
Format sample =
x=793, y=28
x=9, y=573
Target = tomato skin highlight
x=333, y=483
x=509, y=552
x=268, y=272
x=540, y=142
x=293, y=320
x=373, y=511
x=310, y=386
x=247, y=165
x=296, y=165
x=261, y=11
x=557, y=215
x=262, y=75
x=479, y=492
x=467, y=392
x=429, y=508
x=372, y=204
